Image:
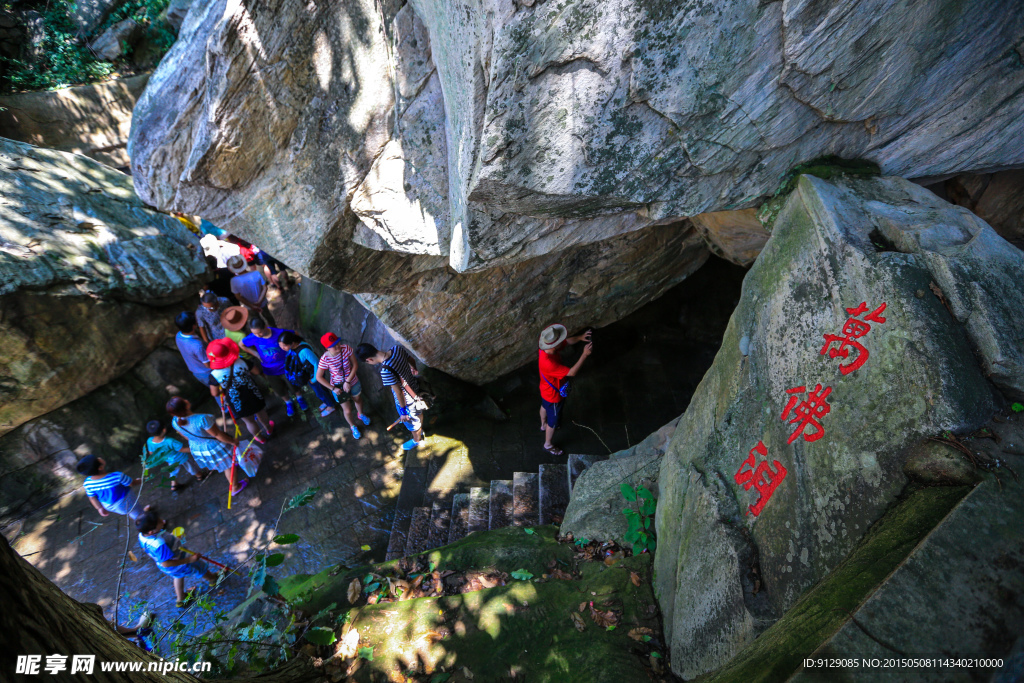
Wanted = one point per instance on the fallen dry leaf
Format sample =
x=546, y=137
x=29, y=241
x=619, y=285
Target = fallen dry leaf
x=562, y=575
x=603, y=618
x=373, y=598
x=131, y=556
x=467, y=673
x=635, y=578
x=354, y=589
x=578, y=622
x=583, y=605
x=639, y=633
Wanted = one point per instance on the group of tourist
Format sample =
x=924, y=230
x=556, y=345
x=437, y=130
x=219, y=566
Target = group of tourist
x=231, y=345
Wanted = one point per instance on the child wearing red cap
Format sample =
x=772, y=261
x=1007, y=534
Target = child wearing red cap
x=337, y=370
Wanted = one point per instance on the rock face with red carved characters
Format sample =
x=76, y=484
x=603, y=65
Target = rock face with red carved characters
x=876, y=316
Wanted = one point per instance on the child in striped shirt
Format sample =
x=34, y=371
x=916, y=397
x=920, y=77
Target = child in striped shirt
x=398, y=371
x=178, y=565
x=337, y=370
x=109, y=491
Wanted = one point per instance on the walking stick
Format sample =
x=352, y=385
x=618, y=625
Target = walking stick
x=234, y=452
x=398, y=422
x=178, y=532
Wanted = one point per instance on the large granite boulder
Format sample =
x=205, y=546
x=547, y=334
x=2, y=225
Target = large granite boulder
x=595, y=508
x=93, y=120
x=366, y=144
x=89, y=278
x=874, y=318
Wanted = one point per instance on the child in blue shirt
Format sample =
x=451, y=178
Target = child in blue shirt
x=161, y=449
x=109, y=491
x=178, y=565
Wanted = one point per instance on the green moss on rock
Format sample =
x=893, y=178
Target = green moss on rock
x=780, y=650
x=524, y=629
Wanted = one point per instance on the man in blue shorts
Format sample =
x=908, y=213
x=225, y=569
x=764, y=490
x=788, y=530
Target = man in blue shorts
x=177, y=565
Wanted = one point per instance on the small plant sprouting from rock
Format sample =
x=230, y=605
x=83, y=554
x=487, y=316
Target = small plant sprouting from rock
x=640, y=517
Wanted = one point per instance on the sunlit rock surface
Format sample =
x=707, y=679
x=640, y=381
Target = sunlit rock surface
x=364, y=144
x=88, y=278
x=93, y=120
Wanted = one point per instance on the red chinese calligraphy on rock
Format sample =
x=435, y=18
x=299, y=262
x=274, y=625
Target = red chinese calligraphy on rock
x=760, y=476
x=853, y=330
x=807, y=413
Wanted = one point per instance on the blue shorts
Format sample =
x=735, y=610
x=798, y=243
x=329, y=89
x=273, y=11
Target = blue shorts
x=356, y=389
x=553, y=411
x=184, y=571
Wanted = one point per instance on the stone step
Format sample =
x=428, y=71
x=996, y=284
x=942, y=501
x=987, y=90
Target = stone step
x=434, y=495
x=440, y=519
x=459, y=525
x=479, y=508
x=524, y=499
x=399, y=534
x=409, y=497
x=578, y=464
x=553, y=492
x=419, y=530
x=500, y=513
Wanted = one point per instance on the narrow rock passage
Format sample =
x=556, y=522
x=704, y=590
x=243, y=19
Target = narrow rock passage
x=642, y=374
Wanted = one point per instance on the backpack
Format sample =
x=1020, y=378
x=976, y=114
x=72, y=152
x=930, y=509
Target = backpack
x=298, y=372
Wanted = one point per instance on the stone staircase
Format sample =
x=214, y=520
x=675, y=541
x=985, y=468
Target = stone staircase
x=426, y=519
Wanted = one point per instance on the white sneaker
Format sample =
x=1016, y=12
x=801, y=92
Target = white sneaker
x=326, y=410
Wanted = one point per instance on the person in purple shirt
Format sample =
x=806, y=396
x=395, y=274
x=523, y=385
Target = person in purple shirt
x=263, y=343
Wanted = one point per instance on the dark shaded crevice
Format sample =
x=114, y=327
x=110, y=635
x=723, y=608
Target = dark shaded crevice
x=882, y=243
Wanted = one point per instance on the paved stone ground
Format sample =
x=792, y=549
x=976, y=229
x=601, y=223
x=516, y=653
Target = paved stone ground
x=642, y=374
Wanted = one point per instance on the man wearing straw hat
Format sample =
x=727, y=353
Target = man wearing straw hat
x=234, y=319
x=554, y=378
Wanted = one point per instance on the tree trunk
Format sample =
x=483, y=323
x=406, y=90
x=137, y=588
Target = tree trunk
x=37, y=618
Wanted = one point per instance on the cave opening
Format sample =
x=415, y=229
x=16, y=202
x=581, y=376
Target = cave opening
x=642, y=374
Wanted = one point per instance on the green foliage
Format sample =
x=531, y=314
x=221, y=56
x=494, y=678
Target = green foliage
x=67, y=60
x=640, y=517
x=580, y=542
x=531, y=532
x=301, y=499
x=522, y=575
x=1017, y=408
x=826, y=168
x=286, y=539
x=321, y=635
x=366, y=653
